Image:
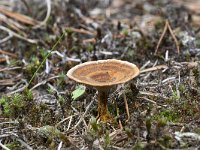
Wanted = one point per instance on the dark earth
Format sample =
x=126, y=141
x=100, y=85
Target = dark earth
x=41, y=108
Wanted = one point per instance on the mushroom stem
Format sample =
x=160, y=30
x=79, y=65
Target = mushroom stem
x=103, y=112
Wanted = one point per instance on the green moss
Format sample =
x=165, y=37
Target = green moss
x=129, y=132
x=107, y=141
x=196, y=72
x=61, y=80
x=14, y=145
x=197, y=130
x=182, y=88
x=5, y=105
x=90, y=47
x=197, y=42
x=46, y=38
x=168, y=116
x=125, y=32
x=43, y=53
x=32, y=66
x=166, y=141
x=16, y=105
x=50, y=91
x=138, y=146
x=144, y=44
x=161, y=122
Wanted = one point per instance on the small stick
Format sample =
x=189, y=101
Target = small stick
x=173, y=36
x=20, y=89
x=65, y=120
x=6, y=38
x=83, y=31
x=22, y=142
x=19, y=17
x=148, y=100
x=3, y=146
x=8, y=69
x=120, y=124
x=91, y=40
x=126, y=106
x=154, y=68
x=2, y=60
x=60, y=145
x=42, y=23
x=86, y=111
x=8, y=53
x=167, y=26
x=161, y=38
x=12, y=33
x=69, y=124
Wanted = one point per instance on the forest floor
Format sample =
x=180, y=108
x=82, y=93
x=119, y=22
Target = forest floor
x=53, y=112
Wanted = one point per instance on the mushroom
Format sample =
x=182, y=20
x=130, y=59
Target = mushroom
x=103, y=75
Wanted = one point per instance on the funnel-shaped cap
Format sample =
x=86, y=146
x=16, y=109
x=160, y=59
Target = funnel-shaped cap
x=103, y=73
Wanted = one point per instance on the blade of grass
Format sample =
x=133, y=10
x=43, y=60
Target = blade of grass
x=47, y=55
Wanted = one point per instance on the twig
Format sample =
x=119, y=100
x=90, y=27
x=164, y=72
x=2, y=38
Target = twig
x=8, y=53
x=22, y=142
x=19, y=17
x=91, y=40
x=126, y=106
x=60, y=146
x=12, y=33
x=47, y=15
x=191, y=64
x=81, y=118
x=173, y=36
x=65, y=120
x=6, y=82
x=10, y=122
x=4, y=135
x=152, y=94
x=154, y=68
x=6, y=38
x=148, y=74
x=120, y=125
x=2, y=59
x=117, y=148
x=20, y=89
x=179, y=135
x=3, y=146
x=146, y=64
x=27, y=6
x=166, y=56
x=13, y=24
x=83, y=31
x=161, y=37
x=69, y=124
x=167, y=26
x=148, y=100
x=44, y=82
x=169, y=79
x=64, y=57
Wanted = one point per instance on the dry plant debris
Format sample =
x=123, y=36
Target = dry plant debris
x=41, y=40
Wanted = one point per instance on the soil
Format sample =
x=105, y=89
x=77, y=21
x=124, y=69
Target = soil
x=41, y=108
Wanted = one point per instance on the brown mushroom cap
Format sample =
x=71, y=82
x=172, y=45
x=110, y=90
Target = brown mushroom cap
x=103, y=73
